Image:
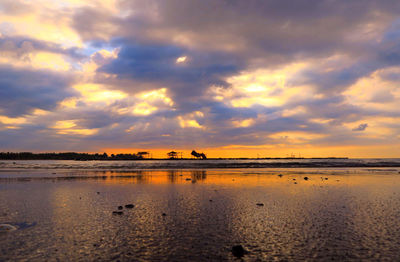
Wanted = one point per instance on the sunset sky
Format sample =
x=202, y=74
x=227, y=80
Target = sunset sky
x=231, y=78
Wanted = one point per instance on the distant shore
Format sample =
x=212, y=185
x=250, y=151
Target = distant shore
x=133, y=156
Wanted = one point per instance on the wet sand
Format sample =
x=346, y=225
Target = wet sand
x=341, y=215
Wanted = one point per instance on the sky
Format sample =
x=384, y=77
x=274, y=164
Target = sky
x=255, y=78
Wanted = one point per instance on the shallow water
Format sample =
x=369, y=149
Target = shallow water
x=197, y=164
x=351, y=215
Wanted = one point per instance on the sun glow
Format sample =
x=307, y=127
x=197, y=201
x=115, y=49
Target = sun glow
x=263, y=87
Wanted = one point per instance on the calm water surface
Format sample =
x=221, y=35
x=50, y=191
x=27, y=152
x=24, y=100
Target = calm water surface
x=337, y=214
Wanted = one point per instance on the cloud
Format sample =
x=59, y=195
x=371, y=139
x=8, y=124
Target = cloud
x=152, y=66
x=207, y=73
x=361, y=127
x=22, y=91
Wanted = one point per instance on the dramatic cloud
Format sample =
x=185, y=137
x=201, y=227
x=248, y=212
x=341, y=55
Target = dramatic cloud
x=245, y=77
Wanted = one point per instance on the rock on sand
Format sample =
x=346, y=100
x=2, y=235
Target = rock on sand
x=7, y=228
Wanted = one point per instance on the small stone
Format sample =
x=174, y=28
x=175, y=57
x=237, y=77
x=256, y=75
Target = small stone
x=98, y=193
x=117, y=212
x=163, y=214
x=120, y=207
x=306, y=178
x=260, y=204
x=294, y=179
x=238, y=251
x=280, y=175
x=295, y=183
x=130, y=206
x=326, y=178
x=210, y=200
x=188, y=179
x=7, y=228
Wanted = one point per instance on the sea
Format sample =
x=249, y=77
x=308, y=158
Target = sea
x=200, y=210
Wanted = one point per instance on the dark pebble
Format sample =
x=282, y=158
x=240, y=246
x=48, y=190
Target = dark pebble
x=294, y=179
x=210, y=200
x=188, y=179
x=117, y=212
x=326, y=178
x=306, y=178
x=238, y=251
x=129, y=206
x=295, y=183
x=260, y=204
x=280, y=175
x=164, y=215
x=98, y=193
x=120, y=207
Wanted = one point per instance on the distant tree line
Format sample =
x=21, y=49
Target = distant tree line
x=69, y=156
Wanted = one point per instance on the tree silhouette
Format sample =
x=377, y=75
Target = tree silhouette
x=172, y=154
x=198, y=155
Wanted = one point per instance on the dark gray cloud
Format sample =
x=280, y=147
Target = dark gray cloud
x=24, y=90
x=275, y=29
x=152, y=66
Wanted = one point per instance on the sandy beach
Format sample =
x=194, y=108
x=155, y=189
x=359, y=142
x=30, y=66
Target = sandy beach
x=180, y=215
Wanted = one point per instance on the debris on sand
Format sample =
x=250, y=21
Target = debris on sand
x=163, y=214
x=260, y=204
x=129, y=206
x=117, y=213
x=280, y=175
x=120, y=207
x=306, y=178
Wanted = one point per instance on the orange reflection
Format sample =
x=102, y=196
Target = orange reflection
x=277, y=178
